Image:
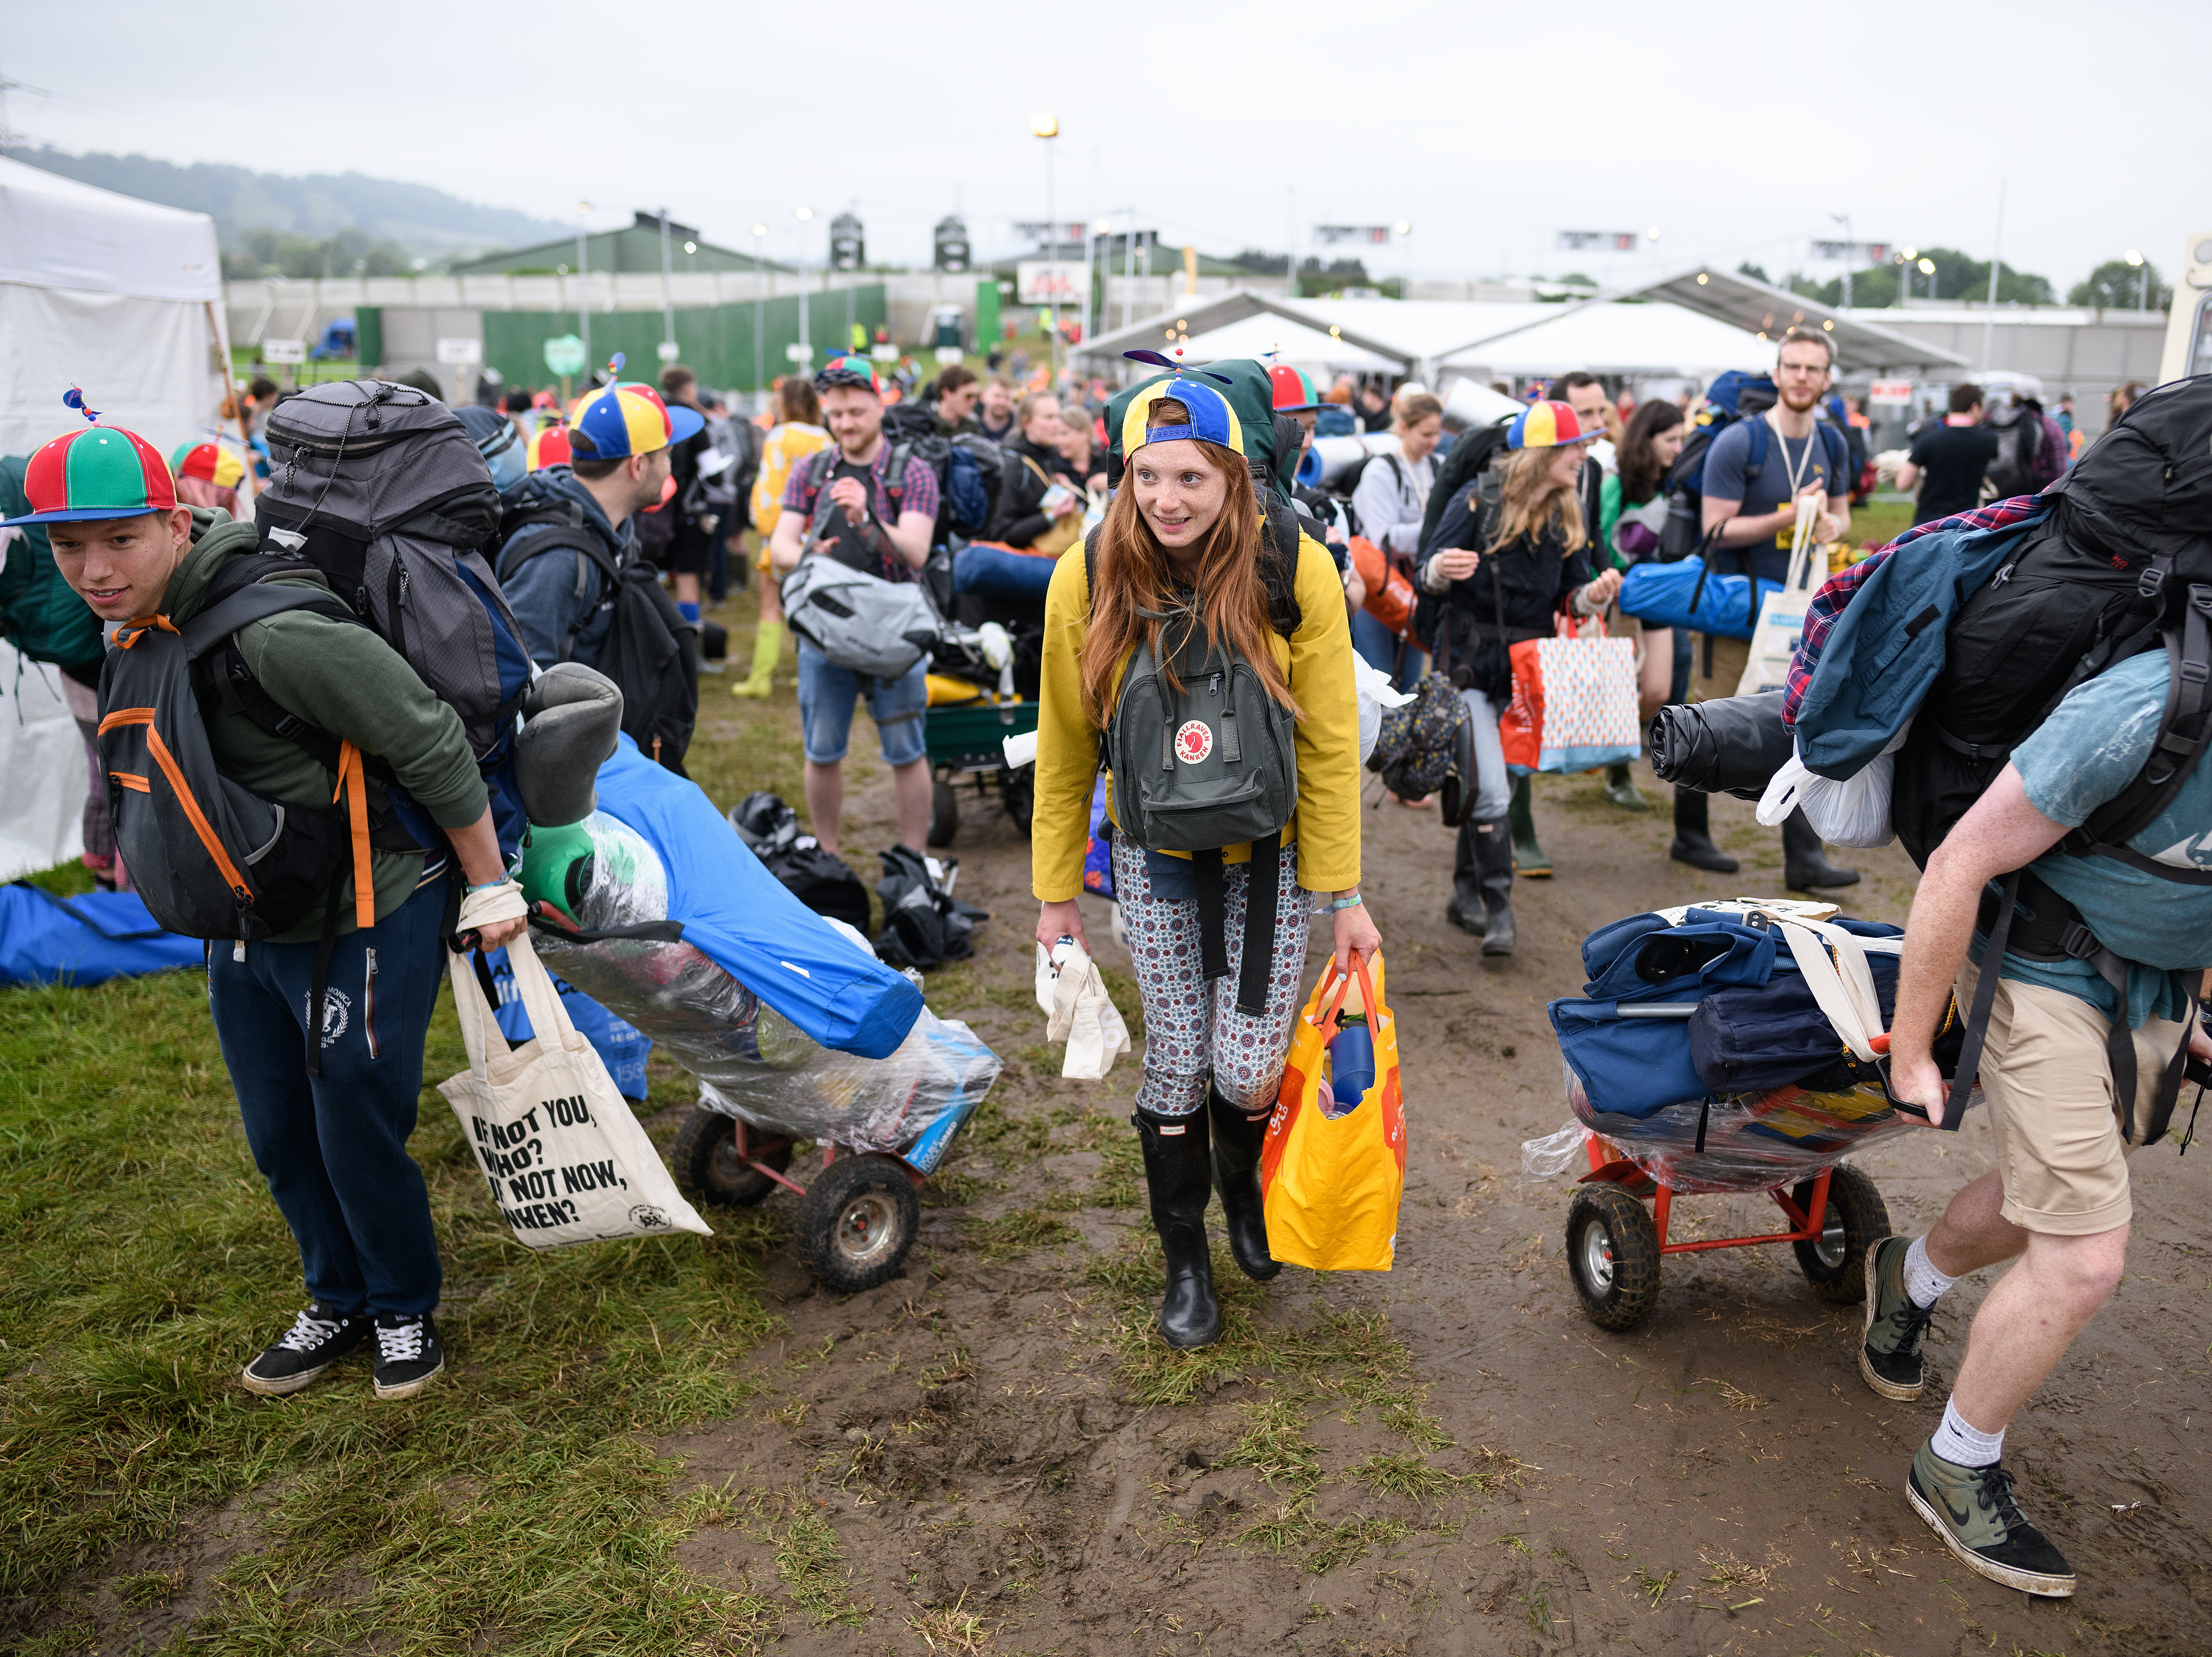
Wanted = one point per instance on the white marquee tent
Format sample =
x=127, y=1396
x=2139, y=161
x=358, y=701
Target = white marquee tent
x=113, y=294
x=122, y=297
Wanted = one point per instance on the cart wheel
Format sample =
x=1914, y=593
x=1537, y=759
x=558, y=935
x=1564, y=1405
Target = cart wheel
x=1857, y=1220
x=705, y=1158
x=1613, y=1254
x=1017, y=788
x=857, y=1221
x=944, y=812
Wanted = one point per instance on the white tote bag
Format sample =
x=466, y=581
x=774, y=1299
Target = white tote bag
x=1782, y=614
x=1078, y=1011
x=565, y=1161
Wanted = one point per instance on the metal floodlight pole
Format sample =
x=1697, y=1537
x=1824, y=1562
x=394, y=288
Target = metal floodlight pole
x=583, y=288
x=667, y=294
x=1997, y=249
x=1850, y=253
x=760, y=303
x=1047, y=127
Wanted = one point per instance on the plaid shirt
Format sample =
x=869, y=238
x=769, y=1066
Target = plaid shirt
x=1828, y=604
x=918, y=494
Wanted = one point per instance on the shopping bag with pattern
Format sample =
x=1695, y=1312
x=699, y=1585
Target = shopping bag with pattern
x=1574, y=704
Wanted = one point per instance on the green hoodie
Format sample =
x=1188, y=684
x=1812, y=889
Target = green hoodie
x=343, y=679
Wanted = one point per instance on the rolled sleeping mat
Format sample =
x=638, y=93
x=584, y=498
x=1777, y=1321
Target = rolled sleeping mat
x=1733, y=746
x=571, y=717
x=1330, y=461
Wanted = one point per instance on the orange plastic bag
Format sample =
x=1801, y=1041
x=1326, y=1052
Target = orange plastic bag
x=1390, y=596
x=1332, y=1183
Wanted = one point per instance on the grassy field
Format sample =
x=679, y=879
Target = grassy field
x=146, y=1263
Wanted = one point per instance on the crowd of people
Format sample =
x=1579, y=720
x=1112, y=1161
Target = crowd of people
x=1140, y=552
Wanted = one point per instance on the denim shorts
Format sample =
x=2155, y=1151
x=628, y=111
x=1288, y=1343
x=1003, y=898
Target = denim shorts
x=827, y=693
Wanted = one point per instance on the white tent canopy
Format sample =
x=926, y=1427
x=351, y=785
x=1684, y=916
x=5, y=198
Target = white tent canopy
x=1618, y=339
x=109, y=293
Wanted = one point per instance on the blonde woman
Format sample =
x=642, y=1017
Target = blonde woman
x=1506, y=571
x=797, y=433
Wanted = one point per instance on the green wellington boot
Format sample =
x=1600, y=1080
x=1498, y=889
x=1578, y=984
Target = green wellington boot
x=1529, y=860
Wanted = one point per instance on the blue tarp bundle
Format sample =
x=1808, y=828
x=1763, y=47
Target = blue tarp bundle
x=89, y=939
x=735, y=912
x=1686, y=594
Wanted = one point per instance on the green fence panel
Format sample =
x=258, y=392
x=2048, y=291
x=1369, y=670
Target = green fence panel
x=715, y=341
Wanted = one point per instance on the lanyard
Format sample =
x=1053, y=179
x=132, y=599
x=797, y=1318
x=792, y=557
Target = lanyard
x=1803, y=461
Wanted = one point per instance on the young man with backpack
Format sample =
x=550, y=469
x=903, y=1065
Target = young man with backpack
x=569, y=565
x=2057, y=1030
x=269, y=674
x=1755, y=474
x=842, y=504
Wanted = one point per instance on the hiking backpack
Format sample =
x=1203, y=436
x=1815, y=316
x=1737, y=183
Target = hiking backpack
x=1735, y=397
x=971, y=470
x=380, y=488
x=2122, y=565
x=648, y=652
x=211, y=858
x=1468, y=458
x=2019, y=467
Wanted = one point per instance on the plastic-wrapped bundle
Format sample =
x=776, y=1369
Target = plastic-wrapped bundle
x=1754, y=1142
x=754, y=1063
x=1733, y=746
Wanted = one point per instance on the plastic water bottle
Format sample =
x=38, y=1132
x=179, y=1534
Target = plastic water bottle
x=1351, y=1061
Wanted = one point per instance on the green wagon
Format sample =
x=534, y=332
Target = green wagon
x=967, y=741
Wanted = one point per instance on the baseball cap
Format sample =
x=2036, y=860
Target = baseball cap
x=848, y=370
x=94, y=472
x=210, y=462
x=1212, y=419
x=628, y=418
x=1546, y=425
x=1294, y=389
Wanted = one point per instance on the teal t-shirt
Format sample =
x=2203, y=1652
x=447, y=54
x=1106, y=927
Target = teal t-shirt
x=2091, y=747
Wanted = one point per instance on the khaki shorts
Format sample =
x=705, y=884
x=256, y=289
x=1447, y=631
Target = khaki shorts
x=2049, y=1087
x=1730, y=658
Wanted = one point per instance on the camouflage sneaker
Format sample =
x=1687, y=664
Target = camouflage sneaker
x=1973, y=1510
x=1890, y=1358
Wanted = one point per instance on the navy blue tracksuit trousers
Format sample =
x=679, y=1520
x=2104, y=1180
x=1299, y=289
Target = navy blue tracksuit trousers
x=334, y=1147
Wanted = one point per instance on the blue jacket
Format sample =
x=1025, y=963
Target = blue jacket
x=561, y=591
x=1887, y=646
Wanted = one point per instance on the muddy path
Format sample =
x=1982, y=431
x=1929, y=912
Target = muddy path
x=993, y=1451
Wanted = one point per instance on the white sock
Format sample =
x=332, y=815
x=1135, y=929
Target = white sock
x=1923, y=1282
x=1964, y=1446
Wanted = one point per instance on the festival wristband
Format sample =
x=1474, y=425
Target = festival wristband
x=1352, y=902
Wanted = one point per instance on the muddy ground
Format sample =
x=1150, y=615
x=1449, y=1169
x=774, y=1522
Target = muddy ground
x=1448, y=1458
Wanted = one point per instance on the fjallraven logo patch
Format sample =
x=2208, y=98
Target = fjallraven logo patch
x=1194, y=742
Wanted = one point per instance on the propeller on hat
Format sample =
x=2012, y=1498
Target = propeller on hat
x=1161, y=360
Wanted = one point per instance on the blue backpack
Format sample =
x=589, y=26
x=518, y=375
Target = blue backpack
x=1733, y=397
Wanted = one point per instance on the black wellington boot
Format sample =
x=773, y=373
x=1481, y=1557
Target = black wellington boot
x=1465, y=909
x=1693, y=839
x=1179, y=1180
x=1494, y=851
x=1238, y=1134
x=1805, y=866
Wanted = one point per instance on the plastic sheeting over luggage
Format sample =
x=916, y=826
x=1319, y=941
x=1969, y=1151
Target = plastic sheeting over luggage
x=752, y=1062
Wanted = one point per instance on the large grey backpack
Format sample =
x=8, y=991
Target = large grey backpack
x=1210, y=760
x=381, y=489
x=861, y=622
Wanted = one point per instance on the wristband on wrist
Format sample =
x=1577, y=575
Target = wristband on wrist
x=1352, y=902
x=488, y=885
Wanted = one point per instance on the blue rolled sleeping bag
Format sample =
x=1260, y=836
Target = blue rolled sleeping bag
x=1686, y=593
x=82, y=940
x=747, y=921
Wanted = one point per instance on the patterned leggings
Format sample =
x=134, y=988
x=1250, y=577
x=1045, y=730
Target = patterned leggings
x=1192, y=1028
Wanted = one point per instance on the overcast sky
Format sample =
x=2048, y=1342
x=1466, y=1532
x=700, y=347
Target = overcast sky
x=1737, y=129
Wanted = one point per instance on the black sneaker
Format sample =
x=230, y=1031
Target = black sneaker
x=407, y=1354
x=1973, y=1510
x=1889, y=1357
x=319, y=1338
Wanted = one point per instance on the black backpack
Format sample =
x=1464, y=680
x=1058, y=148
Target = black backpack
x=821, y=880
x=2123, y=565
x=971, y=470
x=1470, y=458
x=650, y=651
x=2020, y=447
x=924, y=924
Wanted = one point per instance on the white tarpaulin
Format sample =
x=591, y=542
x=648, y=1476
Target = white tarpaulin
x=109, y=293
x=42, y=757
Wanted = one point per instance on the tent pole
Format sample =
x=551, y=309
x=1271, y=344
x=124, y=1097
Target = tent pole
x=237, y=406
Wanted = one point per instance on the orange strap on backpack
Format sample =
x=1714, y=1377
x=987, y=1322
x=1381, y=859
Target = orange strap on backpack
x=353, y=783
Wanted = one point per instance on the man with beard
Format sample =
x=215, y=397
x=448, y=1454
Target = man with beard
x=1755, y=473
